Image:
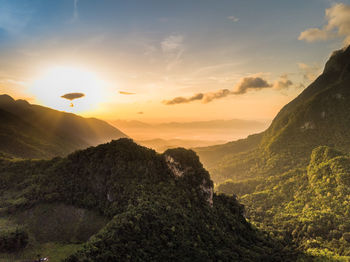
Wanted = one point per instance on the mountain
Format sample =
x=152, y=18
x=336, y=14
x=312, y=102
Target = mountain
x=123, y=202
x=308, y=205
x=32, y=131
x=318, y=116
x=294, y=177
x=211, y=131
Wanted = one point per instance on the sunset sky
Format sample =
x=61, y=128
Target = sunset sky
x=167, y=60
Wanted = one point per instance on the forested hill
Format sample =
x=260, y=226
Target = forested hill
x=32, y=131
x=295, y=177
x=308, y=205
x=320, y=115
x=160, y=207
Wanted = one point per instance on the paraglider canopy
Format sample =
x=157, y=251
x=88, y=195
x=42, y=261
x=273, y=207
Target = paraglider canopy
x=72, y=96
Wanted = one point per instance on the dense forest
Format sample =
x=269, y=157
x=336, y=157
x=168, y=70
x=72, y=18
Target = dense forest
x=310, y=206
x=123, y=202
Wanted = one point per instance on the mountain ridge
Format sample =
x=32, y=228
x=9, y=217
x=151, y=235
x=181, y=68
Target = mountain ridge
x=316, y=117
x=212, y=130
x=41, y=132
x=295, y=180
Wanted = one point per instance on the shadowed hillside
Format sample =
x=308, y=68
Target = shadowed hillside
x=32, y=131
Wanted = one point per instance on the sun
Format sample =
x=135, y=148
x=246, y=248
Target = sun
x=53, y=85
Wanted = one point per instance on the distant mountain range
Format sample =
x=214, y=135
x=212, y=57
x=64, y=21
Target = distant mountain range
x=214, y=130
x=33, y=131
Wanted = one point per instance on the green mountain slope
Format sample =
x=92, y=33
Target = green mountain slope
x=295, y=181
x=160, y=207
x=32, y=131
x=310, y=206
x=318, y=116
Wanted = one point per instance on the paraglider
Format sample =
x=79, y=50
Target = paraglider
x=72, y=96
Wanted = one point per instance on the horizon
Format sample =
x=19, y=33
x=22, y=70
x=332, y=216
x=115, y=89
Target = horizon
x=163, y=63
x=200, y=133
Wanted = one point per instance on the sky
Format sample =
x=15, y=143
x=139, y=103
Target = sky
x=183, y=60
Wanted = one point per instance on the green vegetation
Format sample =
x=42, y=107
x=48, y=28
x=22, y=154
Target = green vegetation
x=160, y=207
x=13, y=240
x=310, y=206
x=295, y=182
x=56, y=252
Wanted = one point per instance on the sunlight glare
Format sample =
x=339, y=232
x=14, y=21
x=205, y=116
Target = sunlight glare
x=60, y=80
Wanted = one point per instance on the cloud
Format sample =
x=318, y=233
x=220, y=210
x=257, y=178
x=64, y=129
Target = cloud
x=252, y=82
x=72, y=96
x=173, y=48
x=309, y=72
x=243, y=86
x=13, y=82
x=208, y=97
x=126, y=93
x=183, y=100
x=75, y=12
x=315, y=34
x=233, y=18
x=338, y=25
x=172, y=43
x=282, y=83
x=140, y=113
x=339, y=19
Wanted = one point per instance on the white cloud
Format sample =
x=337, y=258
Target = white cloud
x=233, y=18
x=315, y=34
x=339, y=19
x=172, y=43
x=75, y=11
x=338, y=25
x=173, y=48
